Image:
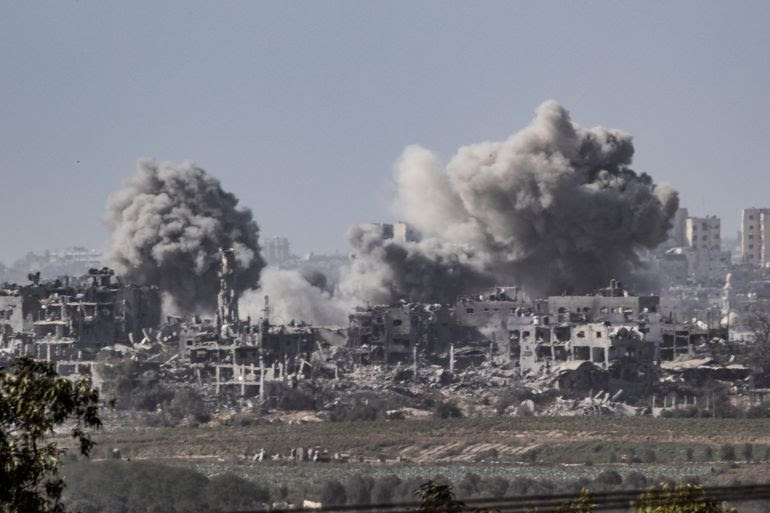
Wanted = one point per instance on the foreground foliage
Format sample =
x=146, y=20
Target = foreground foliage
x=133, y=487
x=34, y=401
x=685, y=498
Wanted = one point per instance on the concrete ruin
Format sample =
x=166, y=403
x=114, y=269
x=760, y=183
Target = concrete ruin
x=69, y=319
x=594, y=350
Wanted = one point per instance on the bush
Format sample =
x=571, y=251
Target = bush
x=359, y=490
x=128, y=487
x=187, y=403
x=521, y=486
x=685, y=497
x=357, y=411
x=609, y=477
x=447, y=409
x=333, y=493
x=760, y=411
x=228, y=492
x=748, y=451
x=295, y=399
x=132, y=385
x=511, y=397
x=383, y=488
x=635, y=480
x=649, y=456
x=495, y=487
x=727, y=452
x=470, y=485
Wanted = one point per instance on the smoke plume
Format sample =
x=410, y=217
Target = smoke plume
x=554, y=207
x=295, y=296
x=384, y=270
x=168, y=223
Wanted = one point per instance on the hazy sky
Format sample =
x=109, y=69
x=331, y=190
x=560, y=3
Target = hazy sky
x=301, y=108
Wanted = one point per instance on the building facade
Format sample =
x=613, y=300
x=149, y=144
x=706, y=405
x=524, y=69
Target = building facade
x=703, y=233
x=755, y=236
x=706, y=260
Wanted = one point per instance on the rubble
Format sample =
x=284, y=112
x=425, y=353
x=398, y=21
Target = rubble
x=607, y=353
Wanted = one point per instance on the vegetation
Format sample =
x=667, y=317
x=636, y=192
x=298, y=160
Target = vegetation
x=447, y=410
x=759, y=324
x=129, y=487
x=355, y=412
x=132, y=386
x=34, y=401
x=686, y=498
x=186, y=403
x=438, y=498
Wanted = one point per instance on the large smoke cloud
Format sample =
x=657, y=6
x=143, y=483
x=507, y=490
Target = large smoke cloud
x=295, y=296
x=554, y=207
x=168, y=223
x=383, y=270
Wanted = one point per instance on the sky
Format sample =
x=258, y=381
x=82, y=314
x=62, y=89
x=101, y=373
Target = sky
x=302, y=108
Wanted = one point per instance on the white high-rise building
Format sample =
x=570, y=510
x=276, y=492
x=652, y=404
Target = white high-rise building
x=755, y=236
x=703, y=233
x=706, y=260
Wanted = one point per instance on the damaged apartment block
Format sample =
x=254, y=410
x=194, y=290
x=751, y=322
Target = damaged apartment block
x=68, y=320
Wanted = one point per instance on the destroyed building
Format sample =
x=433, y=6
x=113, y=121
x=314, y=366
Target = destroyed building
x=383, y=334
x=621, y=354
x=229, y=352
x=613, y=301
x=395, y=333
x=64, y=319
x=616, y=332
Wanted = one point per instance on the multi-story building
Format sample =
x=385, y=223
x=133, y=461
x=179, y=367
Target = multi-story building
x=94, y=312
x=755, y=236
x=402, y=232
x=276, y=250
x=73, y=261
x=399, y=232
x=706, y=260
x=703, y=233
x=679, y=228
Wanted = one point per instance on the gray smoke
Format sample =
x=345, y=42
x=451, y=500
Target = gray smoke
x=384, y=270
x=295, y=296
x=168, y=223
x=554, y=207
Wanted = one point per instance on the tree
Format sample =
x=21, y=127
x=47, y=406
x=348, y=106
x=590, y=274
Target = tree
x=759, y=324
x=448, y=409
x=383, y=487
x=359, y=490
x=333, y=493
x=34, y=400
x=228, y=492
x=438, y=498
x=187, y=403
x=685, y=498
x=727, y=452
x=609, y=477
x=583, y=504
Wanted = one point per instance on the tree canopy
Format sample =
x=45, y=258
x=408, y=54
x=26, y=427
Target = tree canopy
x=34, y=400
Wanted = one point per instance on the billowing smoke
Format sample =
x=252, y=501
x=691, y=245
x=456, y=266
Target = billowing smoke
x=168, y=223
x=385, y=269
x=295, y=296
x=554, y=207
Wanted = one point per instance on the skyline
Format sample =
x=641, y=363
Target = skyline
x=308, y=107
